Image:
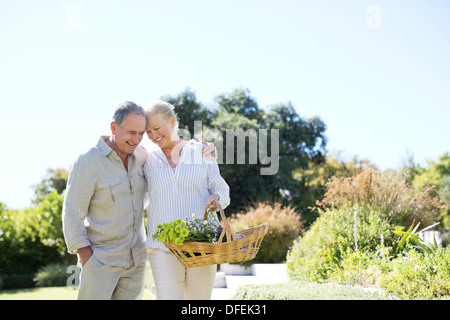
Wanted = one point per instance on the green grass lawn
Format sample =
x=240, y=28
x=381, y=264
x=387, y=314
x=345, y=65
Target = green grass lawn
x=48, y=293
x=64, y=293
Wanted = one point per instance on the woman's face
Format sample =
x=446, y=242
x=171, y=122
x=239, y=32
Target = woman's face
x=161, y=130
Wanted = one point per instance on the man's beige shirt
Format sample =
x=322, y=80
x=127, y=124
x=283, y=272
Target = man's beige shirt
x=103, y=206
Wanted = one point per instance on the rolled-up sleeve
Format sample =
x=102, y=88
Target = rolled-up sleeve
x=78, y=195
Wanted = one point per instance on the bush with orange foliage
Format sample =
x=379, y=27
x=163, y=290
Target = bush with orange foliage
x=284, y=228
x=387, y=192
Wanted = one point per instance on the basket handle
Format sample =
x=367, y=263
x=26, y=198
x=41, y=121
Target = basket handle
x=225, y=224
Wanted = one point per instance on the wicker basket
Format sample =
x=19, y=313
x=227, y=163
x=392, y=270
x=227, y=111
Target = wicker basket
x=197, y=254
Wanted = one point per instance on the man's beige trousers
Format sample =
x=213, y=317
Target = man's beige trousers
x=102, y=282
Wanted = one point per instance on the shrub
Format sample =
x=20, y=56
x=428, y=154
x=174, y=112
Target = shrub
x=284, y=227
x=334, y=237
x=387, y=192
x=29, y=239
x=360, y=268
x=417, y=275
x=352, y=241
x=297, y=290
x=17, y=281
x=52, y=275
x=21, y=251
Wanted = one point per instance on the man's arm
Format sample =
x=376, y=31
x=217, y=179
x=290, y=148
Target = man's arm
x=78, y=195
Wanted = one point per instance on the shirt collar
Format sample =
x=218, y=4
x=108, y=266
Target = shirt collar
x=187, y=154
x=103, y=146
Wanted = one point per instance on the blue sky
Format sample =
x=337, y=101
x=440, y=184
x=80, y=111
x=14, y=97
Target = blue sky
x=376, y=72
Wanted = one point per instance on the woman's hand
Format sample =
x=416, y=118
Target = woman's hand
x=213, y=202
x=210, y=151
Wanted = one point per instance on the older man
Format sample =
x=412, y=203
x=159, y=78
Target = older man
x=103, y=210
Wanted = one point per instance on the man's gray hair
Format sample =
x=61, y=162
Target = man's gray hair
x=124, y=109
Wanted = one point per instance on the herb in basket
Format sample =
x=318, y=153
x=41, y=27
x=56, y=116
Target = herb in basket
x=195, y=230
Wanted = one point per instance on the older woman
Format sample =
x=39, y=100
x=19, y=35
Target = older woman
x=180, y=183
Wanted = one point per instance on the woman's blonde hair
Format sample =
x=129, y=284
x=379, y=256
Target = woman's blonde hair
x=164, y=108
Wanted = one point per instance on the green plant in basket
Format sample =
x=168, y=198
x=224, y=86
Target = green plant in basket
x=195, y=230
x=175, y=231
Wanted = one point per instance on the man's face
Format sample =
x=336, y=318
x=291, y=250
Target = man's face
x=127, y=137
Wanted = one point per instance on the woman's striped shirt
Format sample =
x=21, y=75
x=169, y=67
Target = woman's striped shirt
x=182, y=191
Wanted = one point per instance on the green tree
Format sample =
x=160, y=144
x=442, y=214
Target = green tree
x=300, y=141
x=22, y=251
x=49, y=214
x=32, y=237
x=8, y=236
x=55, y=179
x=239, y=101
x=245, y=181
x=437, y=174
